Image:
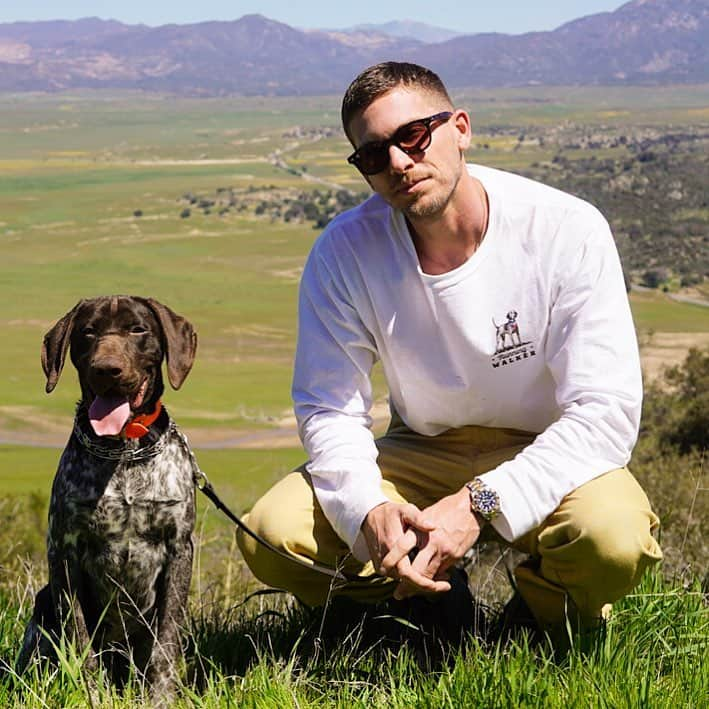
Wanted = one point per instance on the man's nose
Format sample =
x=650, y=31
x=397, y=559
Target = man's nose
x=399, y=160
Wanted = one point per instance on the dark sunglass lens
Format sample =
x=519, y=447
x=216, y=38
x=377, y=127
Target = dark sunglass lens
x=412, y=137
x=373, y=159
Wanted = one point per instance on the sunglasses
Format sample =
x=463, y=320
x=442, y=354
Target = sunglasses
x=411, y=138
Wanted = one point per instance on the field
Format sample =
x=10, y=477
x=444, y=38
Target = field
x=199, y=203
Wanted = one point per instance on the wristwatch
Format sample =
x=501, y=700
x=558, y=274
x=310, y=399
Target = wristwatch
x=483, y=499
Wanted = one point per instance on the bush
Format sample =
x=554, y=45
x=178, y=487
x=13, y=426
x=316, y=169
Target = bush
x=669, y=461
x=655, y=277
x=676, y=410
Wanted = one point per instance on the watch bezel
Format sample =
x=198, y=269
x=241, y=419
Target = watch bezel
x=483, y=499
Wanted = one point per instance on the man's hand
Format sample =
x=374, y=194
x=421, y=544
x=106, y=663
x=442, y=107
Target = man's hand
x=455, y=530
x=391, y=531
x=439, y=536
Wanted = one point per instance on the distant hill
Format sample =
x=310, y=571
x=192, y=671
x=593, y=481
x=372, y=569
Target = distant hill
x=644, y=41
x=408, y=29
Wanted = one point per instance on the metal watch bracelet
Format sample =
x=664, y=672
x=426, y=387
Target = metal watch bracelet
x=483, y=499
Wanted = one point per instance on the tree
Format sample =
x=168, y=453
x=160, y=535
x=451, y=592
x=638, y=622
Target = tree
x=691, y=381
x=676, y=411
x=655, y=277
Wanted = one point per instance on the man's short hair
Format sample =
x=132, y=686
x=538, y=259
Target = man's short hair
x=381, y=78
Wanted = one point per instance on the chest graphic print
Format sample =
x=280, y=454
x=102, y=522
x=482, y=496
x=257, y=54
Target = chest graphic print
x=509, y=345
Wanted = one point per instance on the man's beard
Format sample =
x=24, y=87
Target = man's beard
x=432, y=204
x=423, y=208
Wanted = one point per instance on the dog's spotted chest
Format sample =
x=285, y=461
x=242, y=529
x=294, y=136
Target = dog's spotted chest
x=121, y=520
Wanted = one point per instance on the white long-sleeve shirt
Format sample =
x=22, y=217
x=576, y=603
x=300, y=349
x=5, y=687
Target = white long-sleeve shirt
x=533, y=332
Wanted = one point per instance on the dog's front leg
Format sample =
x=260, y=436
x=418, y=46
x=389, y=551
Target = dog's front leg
x=66, y=584
x=173, y=591
x=42, y=632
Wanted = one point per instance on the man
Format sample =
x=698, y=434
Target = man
x=498, y=310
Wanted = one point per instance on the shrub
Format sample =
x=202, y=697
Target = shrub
x=655, y=277
x=669, y=461
x=676, y=410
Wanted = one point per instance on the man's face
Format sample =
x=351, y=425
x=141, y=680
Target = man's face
x=421, y=185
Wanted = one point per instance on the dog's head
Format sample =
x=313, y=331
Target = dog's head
x=512, y=316
x=117, y=344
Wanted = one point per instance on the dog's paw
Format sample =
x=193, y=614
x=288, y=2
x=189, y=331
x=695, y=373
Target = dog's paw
x=162, y=692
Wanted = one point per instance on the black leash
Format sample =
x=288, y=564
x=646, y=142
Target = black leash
x=205, y=486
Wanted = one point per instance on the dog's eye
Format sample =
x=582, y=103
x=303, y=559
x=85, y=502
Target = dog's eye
x=88, y=331
x=138, y=330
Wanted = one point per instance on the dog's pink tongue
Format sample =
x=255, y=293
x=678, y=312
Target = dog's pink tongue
x=108, y=415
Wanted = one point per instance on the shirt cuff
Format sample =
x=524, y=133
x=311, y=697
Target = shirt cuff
x=346, y=499
x=360, y=550
x=515, y=518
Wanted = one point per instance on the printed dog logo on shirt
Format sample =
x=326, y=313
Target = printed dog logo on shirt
x=509, y=347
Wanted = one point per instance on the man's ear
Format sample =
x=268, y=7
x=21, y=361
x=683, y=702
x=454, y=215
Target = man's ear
x=461, y=120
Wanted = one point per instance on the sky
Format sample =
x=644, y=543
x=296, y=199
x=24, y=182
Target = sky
x=468, y=16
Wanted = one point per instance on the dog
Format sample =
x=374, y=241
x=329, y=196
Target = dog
x=507, y=329
x=122, y=506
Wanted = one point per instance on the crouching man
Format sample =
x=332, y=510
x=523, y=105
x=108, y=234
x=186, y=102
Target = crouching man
x=498, y=310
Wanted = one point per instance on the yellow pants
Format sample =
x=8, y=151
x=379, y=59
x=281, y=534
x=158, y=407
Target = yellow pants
x=588, y=553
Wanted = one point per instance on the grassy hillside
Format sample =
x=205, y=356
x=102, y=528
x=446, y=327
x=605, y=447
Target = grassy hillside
x=210, y=207
x=93, y=190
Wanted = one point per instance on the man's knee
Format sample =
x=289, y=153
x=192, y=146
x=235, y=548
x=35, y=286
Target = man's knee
x=620, y=549
x=263, y=565
x=265, y=520
x=282, y=517
x=610, y=547
x=289, y=518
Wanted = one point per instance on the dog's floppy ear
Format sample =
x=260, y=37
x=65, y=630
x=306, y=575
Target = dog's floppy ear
x=180, y=342
x=54, y=347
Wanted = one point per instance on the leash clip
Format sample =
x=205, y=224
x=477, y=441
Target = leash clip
x=199, y=477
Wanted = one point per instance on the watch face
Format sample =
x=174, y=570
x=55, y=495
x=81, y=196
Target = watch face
x=483, y=500
x=487, y=501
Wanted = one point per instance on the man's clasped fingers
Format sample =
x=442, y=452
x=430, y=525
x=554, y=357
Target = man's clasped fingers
x=422, y=575
x=396, y=560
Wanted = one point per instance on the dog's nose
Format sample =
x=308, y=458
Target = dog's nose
x=108, y=371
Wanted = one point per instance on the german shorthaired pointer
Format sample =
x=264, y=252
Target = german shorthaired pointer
x=122, y=508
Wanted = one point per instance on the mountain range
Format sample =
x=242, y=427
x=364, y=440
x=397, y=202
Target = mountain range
x=428, y=34
x=642, y=42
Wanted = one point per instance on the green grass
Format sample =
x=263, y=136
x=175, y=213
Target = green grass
x=26, y=469
x=602, y=105
x=656, y=311
x=264, y=653
x=75, y=167
x=240, y=475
